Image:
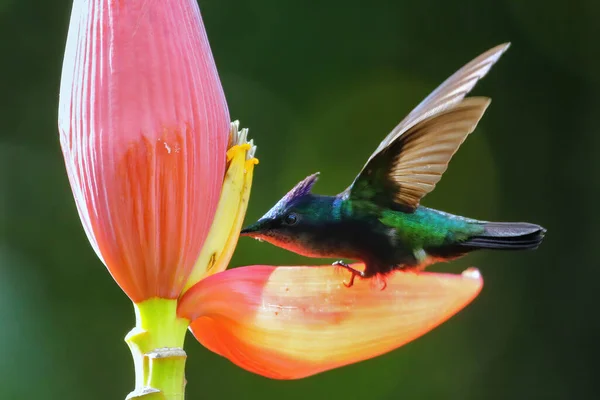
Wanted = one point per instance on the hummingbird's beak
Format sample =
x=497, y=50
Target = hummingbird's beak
x=246, y=231
x=251, y=230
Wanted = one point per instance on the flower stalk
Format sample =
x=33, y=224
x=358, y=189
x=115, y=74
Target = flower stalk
x=156, y=344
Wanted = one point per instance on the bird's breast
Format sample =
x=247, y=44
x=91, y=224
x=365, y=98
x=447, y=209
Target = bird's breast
x=302, y=243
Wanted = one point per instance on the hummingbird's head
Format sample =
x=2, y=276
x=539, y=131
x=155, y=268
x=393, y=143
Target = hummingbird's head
x=289, y=220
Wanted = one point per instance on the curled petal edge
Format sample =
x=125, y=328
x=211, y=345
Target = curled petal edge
x=293, y=322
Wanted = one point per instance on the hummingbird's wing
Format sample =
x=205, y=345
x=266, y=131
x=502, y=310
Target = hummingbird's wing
x=449, y=93
x=413, y=164
x=418, y=162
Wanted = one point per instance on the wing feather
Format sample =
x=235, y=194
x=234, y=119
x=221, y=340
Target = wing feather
x=426, y=149
x=449, y=93
x=426, y=139
x=404, y=172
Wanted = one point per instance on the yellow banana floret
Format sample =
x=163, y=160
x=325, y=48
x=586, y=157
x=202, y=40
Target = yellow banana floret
x=234, y=235
x=230, y=210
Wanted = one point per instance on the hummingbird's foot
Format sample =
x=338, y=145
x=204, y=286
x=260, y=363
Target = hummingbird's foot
x=379, y=282
x=351, y=283
x=341, y=263
x=353, y=271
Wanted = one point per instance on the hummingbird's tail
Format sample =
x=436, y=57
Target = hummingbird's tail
x=506, y=236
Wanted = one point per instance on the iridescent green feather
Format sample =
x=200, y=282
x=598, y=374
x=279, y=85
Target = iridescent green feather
x=430, y=228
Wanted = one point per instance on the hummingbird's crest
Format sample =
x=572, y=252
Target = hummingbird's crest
x=301, y=189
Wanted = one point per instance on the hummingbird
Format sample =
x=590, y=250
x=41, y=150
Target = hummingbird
x=378, y=219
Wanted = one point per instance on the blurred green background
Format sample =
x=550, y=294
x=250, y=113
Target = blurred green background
x=320, y=83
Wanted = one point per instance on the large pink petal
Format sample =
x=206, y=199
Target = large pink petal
x=144, y=129
x=292, y=322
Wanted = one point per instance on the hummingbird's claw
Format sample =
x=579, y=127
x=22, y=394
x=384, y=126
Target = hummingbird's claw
x=351, y=283
x=384, y=284
x=353, y=271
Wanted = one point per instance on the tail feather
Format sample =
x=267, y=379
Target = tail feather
x=506, y=236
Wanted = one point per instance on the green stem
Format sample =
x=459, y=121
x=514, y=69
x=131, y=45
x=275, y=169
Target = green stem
x=156, y=344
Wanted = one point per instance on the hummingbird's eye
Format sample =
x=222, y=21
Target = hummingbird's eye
x=290, y=219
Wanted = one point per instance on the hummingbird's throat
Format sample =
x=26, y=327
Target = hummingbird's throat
x=296, y=245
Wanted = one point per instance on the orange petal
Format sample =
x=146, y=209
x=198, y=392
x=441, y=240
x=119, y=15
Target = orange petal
x=292, y=322
x=144, y=129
